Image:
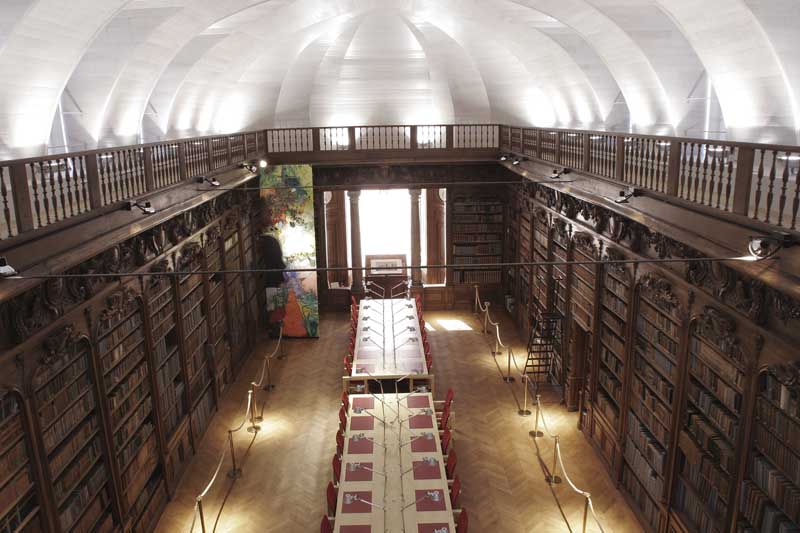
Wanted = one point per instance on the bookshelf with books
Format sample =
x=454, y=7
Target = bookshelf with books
x=650, y=416
x=217, y=316
x=168, y=373
x=540, y=244
x=477, y=229
x=234, y=290
x=710, y=440
x=193, y=328
x=770, y=492
x=250, y=309
x=582, y=309
x=524, y=273
x=560, y=291
x=127, y=388
x=19, y=498
x=70, y=424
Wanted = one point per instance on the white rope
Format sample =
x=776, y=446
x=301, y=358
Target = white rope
x=213, y=478
x=194, y=517
x=246, y=412
x=591, y=508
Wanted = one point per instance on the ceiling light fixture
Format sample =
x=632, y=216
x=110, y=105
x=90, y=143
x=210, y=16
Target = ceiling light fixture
x=145, y=208
x=766, y=246
x=6, y=270
x=214, y=182
x=557, y=174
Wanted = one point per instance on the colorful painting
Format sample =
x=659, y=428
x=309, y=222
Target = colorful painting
x=291, y=210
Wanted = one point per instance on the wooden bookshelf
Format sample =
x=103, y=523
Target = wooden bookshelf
x=540, y=253
x=18, y=496
x=127, y=388
x=525, y=273
x=234, y=290
x=710, y=438
x=770, y=491
x=651, y=404
x=193, y=328
x=559, y=289
x=71, y=428
x=217, y=316
x=477, y=228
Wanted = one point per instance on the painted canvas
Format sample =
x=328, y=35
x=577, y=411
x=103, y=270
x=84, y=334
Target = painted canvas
x=291, y=210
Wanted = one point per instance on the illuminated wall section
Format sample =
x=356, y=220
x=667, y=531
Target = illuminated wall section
x=291, y=212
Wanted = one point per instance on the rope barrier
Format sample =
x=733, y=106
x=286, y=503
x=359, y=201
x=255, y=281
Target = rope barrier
x=558, y=460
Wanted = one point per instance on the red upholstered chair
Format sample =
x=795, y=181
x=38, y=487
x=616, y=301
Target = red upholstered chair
x=345, y=400
x=331, y=497
x=348, y=366
x=418, y=301
x=353, y=301
x=429, y=362
x=340, y=443
x=444, y=405
x=455, y=492
x=444, y=423
x=427, y=346
x=446, y=438
x=325, y=526
x=463, y=522
x=342, y=419
x=450, y=466
x=336, y=464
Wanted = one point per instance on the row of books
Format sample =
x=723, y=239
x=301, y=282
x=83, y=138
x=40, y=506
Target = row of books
x=482, y=249
x=613, y=303
x=616, y=286
x=652, y=402
x=63, y=398
x=612, y=341
x=786, y=397
x=53, y=387
x=132, y=400
x=148, y=503
x=781, y=490
x=16, y=488
x=132, y=422
x=648, y=446
x=655, y=380
x=188, y=302
x=605, y=406
x=478, y=276
x=657, y=318
x=175, y=411
x=694, y=508
x=717, y=362
x=612, y=362
x=67, y=452
x=713, y=410
x=477, y=228
x=656, y=337
x=610, y=383
x=123, y=349
x=477, y=218
x=614, y=323
x=477, y=207
x=477, y=237
x=202, y=413
x=81, y=499
x=164, y=349
x=647, y=507
x=137, y=449
x=710, y=483
x=119, y=373
x=730, y=397
x=11, y=521
x=118, y=333
x=781, y=424
x=761, y=515
x=193, y=318
x=122, y=389
x=65, y=483
x=708, y=437
x=67, y=422
x=164, y=295
x=653, y=483
x=658, y=427
x=782, y=454
x=476, y=260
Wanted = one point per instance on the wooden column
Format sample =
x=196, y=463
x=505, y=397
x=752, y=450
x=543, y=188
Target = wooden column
x=355, y=243
x=435, y=241
x=336, y=238
x=416, y=246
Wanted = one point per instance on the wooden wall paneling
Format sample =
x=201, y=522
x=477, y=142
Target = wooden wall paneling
x=435, y=216
x=335, y=228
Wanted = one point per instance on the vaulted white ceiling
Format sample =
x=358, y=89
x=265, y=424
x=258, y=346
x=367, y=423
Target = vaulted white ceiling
x=86, y=73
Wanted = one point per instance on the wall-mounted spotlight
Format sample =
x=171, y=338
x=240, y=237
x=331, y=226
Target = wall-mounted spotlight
x=262, y=163
x=627, y=194
x=145, y=208
x=214, y=182
x=516, y=161
x=765, y=246
x=504, y=157
x=558, y=173
x=6, y=270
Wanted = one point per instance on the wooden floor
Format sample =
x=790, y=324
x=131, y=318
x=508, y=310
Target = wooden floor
x=287, y=465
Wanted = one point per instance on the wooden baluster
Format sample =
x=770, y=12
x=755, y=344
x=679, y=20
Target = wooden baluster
x=72, y=185
x=694, y=164
x=706, y=178
x=771, y=191
x=24, y=197
x=121, y=175
x=795, y=200
x=686, y=149
x=129, y=170
x=80, y=176
x=714, y=178
x=4, y=196
x=784, y=186
x=105, y=180
x=729, y=179
x=44, y=189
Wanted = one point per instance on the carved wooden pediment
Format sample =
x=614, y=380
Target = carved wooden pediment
x=787, y=374
x=60, y=345
x=586, y=243
x=541, y=217
x=659, y=290
x=720, y=330
x=613, y=254
x=118, y=305
x=189, y=256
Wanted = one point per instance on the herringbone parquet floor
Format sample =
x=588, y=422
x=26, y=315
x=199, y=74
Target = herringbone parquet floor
x=287, y=465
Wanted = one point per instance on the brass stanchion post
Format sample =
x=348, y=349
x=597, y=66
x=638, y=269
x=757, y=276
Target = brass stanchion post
x=254, y=428
x=235, y=473
x=508, y=378
x=269, y=386
x=553, y=478
x=585, y=511
x=524, y=411
x=257, y=417
x=536, y=433
x=202, y=518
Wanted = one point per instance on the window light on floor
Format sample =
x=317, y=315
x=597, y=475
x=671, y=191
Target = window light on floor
x=453, y=325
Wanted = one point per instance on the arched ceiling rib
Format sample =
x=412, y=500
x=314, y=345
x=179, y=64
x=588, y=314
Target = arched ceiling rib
x=171, y=67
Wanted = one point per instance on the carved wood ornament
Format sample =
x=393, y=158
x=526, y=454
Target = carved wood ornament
x=659, y=290
x=118, y=305
x=720, y=330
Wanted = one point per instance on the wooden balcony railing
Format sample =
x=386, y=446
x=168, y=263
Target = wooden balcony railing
x=753, y=180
